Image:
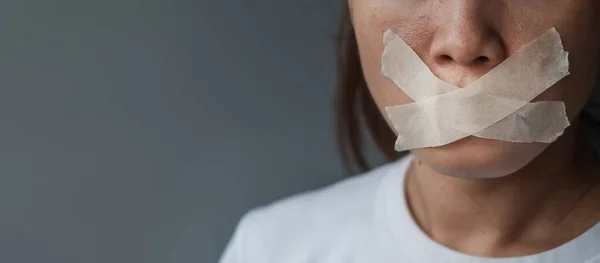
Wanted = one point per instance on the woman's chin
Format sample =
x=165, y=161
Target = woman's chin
x=474, y=157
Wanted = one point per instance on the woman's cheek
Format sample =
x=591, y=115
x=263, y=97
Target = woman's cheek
x=371, y=20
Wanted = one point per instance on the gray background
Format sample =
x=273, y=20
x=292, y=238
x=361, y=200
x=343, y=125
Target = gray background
x=140, y=131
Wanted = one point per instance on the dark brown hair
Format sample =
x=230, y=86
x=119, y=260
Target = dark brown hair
x=355, y=108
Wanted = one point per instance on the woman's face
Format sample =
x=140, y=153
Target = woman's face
x=452, y=36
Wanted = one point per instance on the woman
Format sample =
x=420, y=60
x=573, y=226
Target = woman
x=472, y=200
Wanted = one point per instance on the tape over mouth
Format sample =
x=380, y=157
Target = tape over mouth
x=496, y=106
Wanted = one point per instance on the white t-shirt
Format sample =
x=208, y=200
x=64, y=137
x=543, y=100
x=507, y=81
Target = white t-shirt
x=364, y=219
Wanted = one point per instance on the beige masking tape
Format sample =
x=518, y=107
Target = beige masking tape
x=496, y=106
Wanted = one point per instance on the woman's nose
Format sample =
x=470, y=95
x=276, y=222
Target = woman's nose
x=465, y=40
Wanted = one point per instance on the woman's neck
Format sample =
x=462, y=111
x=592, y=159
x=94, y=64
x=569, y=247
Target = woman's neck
x=550, y=201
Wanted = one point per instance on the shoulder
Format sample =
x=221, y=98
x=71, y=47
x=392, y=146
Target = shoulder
x=347, y=199
x=313, y=217
x=316, y=206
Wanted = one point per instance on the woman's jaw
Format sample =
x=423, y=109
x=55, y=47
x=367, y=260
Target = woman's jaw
x=474, y=157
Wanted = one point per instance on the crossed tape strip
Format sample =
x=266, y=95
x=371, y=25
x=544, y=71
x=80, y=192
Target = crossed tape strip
x=496, y=106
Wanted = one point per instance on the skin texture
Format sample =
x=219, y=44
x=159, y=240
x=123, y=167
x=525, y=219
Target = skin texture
x=461, y=40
